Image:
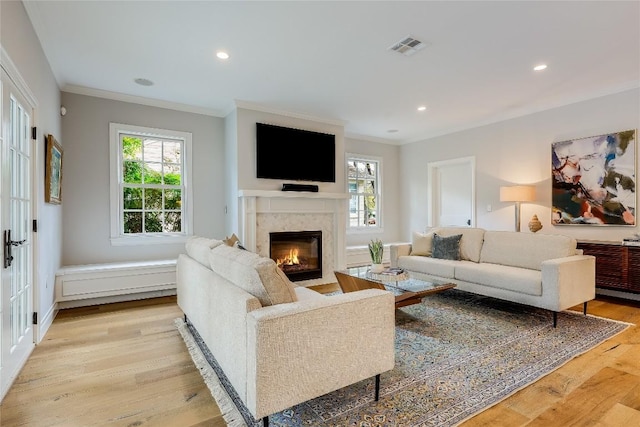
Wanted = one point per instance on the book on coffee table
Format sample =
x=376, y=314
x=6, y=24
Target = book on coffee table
x=392, y=271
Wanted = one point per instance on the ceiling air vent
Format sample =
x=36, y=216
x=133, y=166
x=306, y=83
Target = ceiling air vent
x=408, y=46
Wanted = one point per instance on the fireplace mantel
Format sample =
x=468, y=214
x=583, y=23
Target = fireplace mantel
x=295, y=211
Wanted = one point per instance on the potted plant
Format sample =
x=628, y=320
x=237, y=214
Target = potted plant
x=376, y=249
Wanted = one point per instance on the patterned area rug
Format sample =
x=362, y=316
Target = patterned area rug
x=456, y=355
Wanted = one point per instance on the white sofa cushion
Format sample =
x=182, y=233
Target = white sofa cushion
x=260, y=276
x=471, y=242
x=436, y=267
x=525, y=250
x=306, y=294
x=198, y=248
x=500, y=276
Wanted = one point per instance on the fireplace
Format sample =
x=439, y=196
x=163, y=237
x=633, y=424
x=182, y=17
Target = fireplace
x=297, y=253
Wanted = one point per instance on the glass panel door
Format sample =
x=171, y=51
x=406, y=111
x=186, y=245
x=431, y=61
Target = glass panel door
x=16, y=284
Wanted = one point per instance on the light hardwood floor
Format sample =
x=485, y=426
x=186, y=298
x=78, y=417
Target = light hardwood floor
x=126, y=365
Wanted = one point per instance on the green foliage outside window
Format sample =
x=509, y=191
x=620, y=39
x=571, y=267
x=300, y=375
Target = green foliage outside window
x=152, y=192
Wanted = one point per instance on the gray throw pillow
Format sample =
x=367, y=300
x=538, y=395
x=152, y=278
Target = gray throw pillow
x=446, y=247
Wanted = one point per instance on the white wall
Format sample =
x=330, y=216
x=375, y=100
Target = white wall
x=86, y=222
x=19, y=40
x=231, y=175
x=517, y=151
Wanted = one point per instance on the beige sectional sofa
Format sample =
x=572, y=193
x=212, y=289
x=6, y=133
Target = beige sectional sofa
x=280, y=344
x=541, y=270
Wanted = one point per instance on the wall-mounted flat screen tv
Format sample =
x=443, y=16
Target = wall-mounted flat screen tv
x=295, y=154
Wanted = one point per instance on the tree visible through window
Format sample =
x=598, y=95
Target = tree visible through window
x=364, y=181
x=151, y=185
x=150, y=191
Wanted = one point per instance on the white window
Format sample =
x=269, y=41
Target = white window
x=150, y=185
x=363, y=178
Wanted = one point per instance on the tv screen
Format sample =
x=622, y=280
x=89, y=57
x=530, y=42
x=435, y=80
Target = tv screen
x=295, y=154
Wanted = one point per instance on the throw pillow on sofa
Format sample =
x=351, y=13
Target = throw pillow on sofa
x=471, y=242
x=446, y=247
x=234, y=242
x=422, y=244
x=231, y=241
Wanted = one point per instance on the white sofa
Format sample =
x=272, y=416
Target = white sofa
x=541, y=270
x=280, y=344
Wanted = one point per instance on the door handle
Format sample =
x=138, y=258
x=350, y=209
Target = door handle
x=8, y=243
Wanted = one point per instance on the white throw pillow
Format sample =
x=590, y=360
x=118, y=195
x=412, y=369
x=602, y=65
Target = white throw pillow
x=422, y=243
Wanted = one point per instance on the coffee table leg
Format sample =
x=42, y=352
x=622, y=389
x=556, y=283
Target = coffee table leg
x=408, y=301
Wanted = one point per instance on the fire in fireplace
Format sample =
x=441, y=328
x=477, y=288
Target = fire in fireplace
x=297, y=253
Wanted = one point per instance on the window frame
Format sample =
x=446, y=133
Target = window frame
x=378, y=227
x=117, y=237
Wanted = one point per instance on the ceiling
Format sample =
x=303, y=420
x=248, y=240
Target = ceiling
x=331, y=60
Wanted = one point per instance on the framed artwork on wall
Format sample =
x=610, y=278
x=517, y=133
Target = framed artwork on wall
x=594, y=180
x=53, y=171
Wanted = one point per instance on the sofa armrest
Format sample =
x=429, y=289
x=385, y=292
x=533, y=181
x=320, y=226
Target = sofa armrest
x=396, y=251
x=301, y=350
x=568, y=281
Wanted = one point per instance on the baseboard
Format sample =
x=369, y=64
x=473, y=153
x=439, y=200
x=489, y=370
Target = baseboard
x=44, y=322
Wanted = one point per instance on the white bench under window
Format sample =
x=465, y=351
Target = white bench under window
x=110, y=282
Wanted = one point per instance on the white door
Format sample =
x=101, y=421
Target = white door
x=16, y=283
x=452, y=193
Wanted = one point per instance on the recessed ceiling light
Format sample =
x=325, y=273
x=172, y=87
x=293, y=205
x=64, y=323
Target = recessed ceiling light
x=540, y=67
x=222, y=54
x=392, y=130
x=422, y=108
x=144, y=82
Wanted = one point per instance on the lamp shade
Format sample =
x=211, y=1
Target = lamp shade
x=518, y=193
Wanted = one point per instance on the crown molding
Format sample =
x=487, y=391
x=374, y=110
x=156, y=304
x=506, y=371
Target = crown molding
x=247, y=105
x=116, y=96
x=635, y=84
x=369, y=138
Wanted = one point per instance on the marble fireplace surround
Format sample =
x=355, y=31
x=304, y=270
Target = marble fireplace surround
x=263, y=212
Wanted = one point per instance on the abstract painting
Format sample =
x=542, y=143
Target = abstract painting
x=594, y=180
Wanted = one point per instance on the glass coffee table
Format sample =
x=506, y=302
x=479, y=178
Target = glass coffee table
x=407, y=290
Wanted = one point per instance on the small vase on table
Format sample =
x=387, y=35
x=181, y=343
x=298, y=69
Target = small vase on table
x=377, y=268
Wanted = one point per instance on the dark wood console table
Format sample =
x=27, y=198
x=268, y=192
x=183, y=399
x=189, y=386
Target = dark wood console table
x=617, y=266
